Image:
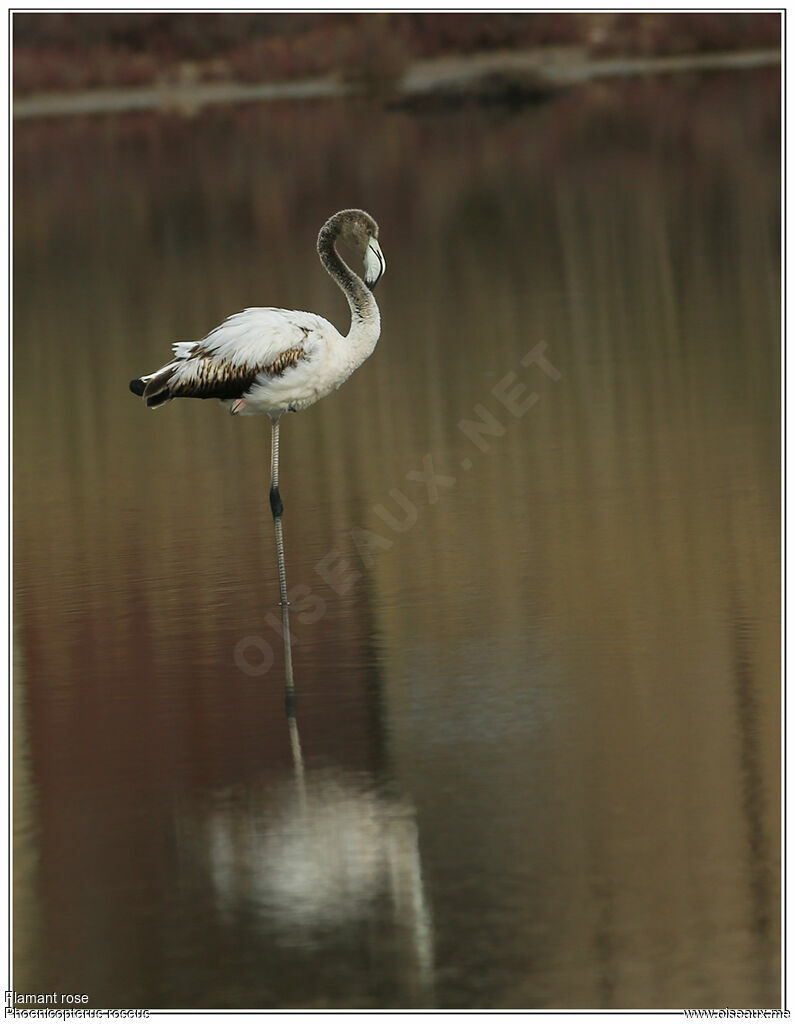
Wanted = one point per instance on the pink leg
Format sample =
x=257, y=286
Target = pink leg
x=238, y=406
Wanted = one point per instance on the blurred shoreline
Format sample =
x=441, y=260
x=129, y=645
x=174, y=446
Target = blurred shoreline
x=503, y=76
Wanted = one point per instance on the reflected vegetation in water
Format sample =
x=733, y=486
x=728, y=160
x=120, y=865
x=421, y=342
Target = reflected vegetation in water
x=539, y=710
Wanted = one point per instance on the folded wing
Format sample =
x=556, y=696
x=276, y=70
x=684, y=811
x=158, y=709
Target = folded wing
x=256, y=343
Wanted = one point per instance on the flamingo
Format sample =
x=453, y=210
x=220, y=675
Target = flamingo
x=273, y=361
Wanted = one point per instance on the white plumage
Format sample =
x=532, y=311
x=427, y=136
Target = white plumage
x=268, y=360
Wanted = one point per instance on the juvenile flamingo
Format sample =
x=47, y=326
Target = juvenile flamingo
x=267, y=360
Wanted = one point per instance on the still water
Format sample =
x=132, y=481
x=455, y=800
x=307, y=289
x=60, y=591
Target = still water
x=533, y=546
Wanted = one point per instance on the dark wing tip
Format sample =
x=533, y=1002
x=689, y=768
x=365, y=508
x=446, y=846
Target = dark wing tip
x=153, y=401
x=137, y=386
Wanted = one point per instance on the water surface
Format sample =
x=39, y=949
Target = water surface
x=533, y=546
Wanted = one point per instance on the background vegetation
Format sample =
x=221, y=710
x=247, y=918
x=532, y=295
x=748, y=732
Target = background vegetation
x=67, y=51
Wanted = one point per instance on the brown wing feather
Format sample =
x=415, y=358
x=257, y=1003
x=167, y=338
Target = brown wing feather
x=290, y=357
x=210, y=378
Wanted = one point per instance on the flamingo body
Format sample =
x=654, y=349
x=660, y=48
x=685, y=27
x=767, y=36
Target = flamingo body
x=268, y=360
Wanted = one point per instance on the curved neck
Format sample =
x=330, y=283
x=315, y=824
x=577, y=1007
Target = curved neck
x=364, y=310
